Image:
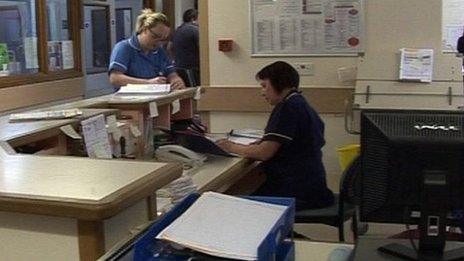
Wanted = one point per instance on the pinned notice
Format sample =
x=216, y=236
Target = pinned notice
x=96, y=137
x=153, y=109
x=70, y=132
x=198, y=94
x=175, y=106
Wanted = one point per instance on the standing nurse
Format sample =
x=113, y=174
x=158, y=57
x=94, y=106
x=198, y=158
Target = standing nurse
x=141, y=58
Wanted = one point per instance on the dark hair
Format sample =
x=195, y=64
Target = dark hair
x=190, y=15
x=281, y=75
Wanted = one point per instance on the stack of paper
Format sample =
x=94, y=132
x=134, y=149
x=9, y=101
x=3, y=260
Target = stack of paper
x=45, y=115
x=181, y=188
x=248, y=133
x=246, y=136
x=224, y=226
x=145, y=89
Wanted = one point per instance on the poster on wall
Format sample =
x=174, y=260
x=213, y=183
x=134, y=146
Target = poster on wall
x=306, y=27
x=453, y=24
x=68, y=54
x=55, y=60
x=31, y=53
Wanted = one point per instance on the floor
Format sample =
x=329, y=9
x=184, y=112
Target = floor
x=318, y=232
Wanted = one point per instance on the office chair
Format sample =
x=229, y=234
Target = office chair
x=344, y=204
x=191, y=77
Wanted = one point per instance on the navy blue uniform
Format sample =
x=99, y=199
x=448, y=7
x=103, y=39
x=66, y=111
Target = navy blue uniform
x=296, y=170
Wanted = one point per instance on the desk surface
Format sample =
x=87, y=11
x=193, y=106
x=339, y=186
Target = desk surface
x=10, y=131
x=105, y=100
x=316, y=251
x=366, y=248
x=219, y=173
x=82, y=188
x=90, y=189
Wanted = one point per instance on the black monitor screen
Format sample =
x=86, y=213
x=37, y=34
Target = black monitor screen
x=403, y=150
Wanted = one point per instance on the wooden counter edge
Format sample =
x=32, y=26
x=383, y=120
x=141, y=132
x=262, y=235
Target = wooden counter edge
x=98, y=210
x=221, y=182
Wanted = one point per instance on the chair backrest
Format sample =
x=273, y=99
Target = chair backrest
x=350, y=183
x=189, y=76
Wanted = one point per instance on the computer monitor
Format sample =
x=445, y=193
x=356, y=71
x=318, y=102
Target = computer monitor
x=412, y=173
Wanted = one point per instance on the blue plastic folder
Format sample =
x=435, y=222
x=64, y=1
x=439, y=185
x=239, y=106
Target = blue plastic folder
x=275, y=246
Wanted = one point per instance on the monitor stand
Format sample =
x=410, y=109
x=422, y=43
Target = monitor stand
x=372, y=248
x=432, y=225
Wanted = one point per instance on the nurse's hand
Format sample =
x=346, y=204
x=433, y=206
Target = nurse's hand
x=225, y=144
x=177, y=83
x=157, y=80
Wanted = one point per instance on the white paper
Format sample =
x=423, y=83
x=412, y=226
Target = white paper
x=135, y=131
x=44, y=115
x=113, y=129
x=153, y=109
x=70, y=132
x=224, y=226
x=96, y=137
x=68, y=54
x=112, y=123
x=416, y=64
x=145, y=89
x=248, y=133
x=242, y=140
x=197, y=94
x=30, y=52
x=451, y=34
x=175, y=106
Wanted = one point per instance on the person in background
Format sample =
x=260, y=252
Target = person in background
x=291, y=146
x=185, y=46
x=460, y=46
x=141, y=59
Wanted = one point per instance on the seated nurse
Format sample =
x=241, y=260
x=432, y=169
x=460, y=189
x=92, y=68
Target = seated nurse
x=141, y=59
x=291, y=146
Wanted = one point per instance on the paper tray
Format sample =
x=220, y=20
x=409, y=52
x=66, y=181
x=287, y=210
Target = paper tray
x=273, y=247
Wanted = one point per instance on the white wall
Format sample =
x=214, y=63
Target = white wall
x=231, y=19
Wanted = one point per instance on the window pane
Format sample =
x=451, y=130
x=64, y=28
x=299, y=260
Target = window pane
x=123, y=23
x=18, y=37
x=97, y=38
x=59, y=42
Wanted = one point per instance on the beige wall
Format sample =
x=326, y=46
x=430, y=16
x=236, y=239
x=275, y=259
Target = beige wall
x=390, y=25
x=230, y=19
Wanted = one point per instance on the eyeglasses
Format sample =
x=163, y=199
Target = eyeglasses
x=155, y=36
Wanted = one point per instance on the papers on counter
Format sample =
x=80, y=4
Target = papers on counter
x=144, y=89
x=245, y=136
x=224, y=226
x=45, y=115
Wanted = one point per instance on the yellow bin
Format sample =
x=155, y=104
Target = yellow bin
x=347, y=153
